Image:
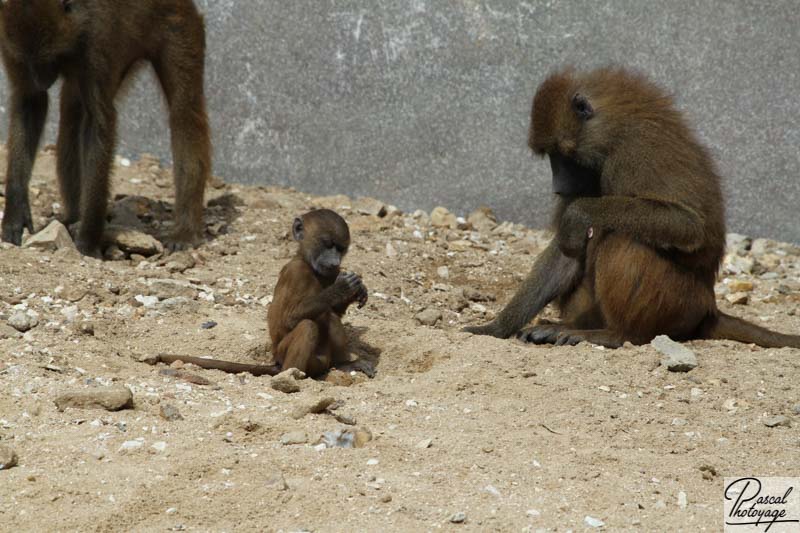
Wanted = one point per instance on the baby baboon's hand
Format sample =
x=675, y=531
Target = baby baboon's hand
x=347, y=286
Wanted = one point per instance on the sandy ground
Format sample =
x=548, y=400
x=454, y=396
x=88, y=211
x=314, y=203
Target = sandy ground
x=498, y=435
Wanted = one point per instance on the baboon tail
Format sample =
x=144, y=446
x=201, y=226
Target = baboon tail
x=724, y=326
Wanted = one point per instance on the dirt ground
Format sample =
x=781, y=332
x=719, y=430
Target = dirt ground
x=493, y=434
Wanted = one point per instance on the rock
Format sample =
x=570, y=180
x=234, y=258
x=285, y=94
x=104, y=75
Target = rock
x=740, y=286
x=113, y=253
x=442, y=218
x=458, y=518
x=186, y=376
x=109, y=398
x=424, y=444
x=777, y=421
x=593, y=522
x=286, y=381
x=346, y=438
x=8, y=332
x=145, y=301
x=682, y=500
x=483, y=219
x=370, y=206
x=8, y=458
x=429, y=317
x=475, y=295
x=178, y=302
x=796, y=409
x=276, y=482
x=315, y=407
x=443, y=272
x=678, y=358
x=294, y=437
x=761, y=246
x=179, y=262
x=736, y=264
x=390, y=250
x=131, y=446
x=132, y=241
x=159, y=447
x=22, y=321
x=737, y=298
x=170, y=288
x=709, y=472
x=737, y=244
x=54, y=237
x=169, y=412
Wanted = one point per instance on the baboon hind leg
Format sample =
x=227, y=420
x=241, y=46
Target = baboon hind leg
x=180, y=71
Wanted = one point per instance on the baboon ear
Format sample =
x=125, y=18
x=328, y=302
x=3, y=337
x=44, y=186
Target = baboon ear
x=297, y=229
x=582, y=108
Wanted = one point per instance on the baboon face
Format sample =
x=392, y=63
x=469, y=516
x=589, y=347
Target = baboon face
x=39, y=34
x=558, y=117
x=324, y=239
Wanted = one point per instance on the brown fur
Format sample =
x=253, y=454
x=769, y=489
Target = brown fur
x=639, y=257
x=304, y=318
x=94, y=45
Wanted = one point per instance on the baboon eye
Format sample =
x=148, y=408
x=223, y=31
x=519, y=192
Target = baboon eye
x=66, y=5
x=582, y=107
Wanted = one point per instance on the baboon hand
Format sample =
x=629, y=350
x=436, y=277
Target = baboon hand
x=574, y=231
x=16, y=219
x=348, y=286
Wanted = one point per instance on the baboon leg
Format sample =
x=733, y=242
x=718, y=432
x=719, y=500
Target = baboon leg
x=97, y=140
x=180, y=72
x=68, y=152
x=337, y=341
x=27, y=115
x=300, y=349
x=643, y=294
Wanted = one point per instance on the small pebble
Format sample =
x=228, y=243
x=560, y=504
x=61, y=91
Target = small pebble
x=294, y=437
x=777, y=421
x=8, y=458
x=593, y=522
x=169, y=412
x=682, y=500
x=429, y=317
x=458, y=518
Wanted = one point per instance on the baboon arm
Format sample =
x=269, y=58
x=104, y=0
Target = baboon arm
x=310, y=308
x=658, y=223
x=552, y=275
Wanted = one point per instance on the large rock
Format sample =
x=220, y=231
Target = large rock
x=429, y=317
x=483, y=219
x=677, y=357
x=131, y=241
x=54, y=237
x=110, y=399
x=442, y=218
x=22, y=321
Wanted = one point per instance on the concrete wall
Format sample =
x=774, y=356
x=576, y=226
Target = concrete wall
x=423, y=102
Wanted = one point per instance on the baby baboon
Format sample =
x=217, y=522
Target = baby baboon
x=312, y=295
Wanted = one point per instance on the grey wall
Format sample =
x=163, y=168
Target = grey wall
x=424, y=103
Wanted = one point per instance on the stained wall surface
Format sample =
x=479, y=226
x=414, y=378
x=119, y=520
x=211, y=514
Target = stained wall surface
x=425, y=103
